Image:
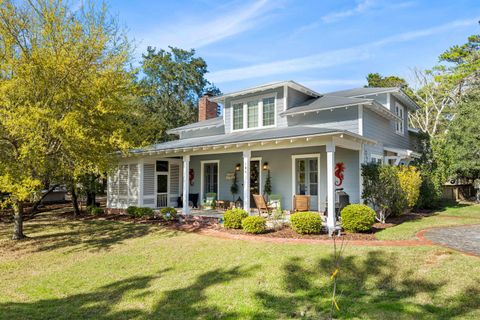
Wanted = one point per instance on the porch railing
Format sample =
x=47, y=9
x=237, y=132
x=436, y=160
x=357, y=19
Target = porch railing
x=162, y=200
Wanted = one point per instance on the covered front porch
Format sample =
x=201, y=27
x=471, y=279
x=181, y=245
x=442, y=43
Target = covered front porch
x=307, y=165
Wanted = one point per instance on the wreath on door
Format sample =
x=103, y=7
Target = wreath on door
x=191, y=176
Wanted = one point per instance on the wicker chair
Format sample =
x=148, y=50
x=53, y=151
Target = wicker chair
x=301, y=203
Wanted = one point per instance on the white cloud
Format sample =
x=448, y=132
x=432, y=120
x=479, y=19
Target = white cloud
x=206, y=28
x=363, y=6
x=329, y=58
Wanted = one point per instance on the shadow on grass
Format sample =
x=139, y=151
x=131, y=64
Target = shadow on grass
x=184, y=303
x=370, y=287
x=49, y=233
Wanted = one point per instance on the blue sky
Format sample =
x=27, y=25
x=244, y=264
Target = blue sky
x=325, y=45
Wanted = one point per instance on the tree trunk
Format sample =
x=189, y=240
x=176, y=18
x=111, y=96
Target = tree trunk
x=91, y=198
x=76, y=208
x=18, y=221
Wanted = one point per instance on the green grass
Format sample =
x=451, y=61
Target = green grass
x=113, y=270
x=449, y=216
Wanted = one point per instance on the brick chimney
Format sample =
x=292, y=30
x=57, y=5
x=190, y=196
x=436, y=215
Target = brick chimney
x=206, y=109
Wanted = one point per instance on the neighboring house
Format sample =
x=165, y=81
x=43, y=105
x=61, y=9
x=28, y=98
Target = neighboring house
x=296, y=133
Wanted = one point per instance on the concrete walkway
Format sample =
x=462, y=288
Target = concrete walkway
x=462, y=238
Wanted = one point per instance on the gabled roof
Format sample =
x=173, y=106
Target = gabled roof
x=325, y=102
x=247, y=136
x=267, y=86
x=206, y=124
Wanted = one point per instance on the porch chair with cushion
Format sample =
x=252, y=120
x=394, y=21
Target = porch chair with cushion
x=261, y=205
x=209, y=202
x=301, y=203
x=275, y=201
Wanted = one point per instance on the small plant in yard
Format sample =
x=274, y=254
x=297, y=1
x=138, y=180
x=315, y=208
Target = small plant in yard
x=132, y=211
x=232, y=219
x=254, y=224
x=168, y=213
x=94, y=210
x=306, y=222
x=357, y=217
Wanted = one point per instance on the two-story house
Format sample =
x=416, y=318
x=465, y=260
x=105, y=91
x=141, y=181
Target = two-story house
x=311, y=143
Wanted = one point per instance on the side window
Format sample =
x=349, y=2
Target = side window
x=376, y=158
x=400, y=123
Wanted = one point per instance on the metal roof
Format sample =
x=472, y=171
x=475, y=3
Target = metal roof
x=325, y=102
x=247, y=136
x=355, y=92
x=210, y=123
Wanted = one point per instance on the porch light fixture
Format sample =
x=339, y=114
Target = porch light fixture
x=265, y=166
x=237, y=167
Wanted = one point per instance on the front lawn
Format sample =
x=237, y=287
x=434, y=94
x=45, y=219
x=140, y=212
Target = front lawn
x=115, y=270
x=453, y=215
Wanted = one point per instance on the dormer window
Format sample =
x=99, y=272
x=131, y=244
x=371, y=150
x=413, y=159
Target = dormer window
x=258, y=112
x=400, y=123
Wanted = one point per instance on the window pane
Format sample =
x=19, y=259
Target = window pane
x=162, y=166
x=252, y=111
x=313, y=165
x=269, y=111
x=313, y=189
x=237, y=116
x=162, y=183
x=313, y=177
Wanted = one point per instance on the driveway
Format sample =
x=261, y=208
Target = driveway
x=464, y=238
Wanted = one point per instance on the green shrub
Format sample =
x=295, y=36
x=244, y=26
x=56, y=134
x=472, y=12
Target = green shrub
x=306, y=222
x=232, y=219
x=144, y=211
x=94, y=210
x=132, y=211
x=410, y=181
x=254, y=224
x=357, y=217
x=168, y=213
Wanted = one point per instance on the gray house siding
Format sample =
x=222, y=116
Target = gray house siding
x=340, y=118
x=281, y=122
x=295, y=97
x=382, y=130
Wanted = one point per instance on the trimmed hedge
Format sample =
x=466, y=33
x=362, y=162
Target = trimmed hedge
x=306, y=222
x=232, y=219
x=357, y=217
x=254, y=224
x=168, y=213
x=138, y=212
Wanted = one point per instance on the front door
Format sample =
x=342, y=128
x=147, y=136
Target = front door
x=162, y=183
x=210, y=178
x=254, y=180
x=306, y=179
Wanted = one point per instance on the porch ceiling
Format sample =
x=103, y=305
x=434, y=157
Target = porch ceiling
x=278, y=138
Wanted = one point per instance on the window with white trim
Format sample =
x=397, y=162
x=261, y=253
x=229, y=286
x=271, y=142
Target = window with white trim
x=268, y=111
x=400, y=123
x=253, y=113
x=376, y=158
x=237, y=116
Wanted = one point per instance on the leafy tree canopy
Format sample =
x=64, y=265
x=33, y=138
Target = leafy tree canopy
x=171, y=85
x=377, y=80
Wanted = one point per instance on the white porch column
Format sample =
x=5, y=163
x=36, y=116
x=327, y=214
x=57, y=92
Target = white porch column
x=186, y=184
x=246, y=180
x=361, y=160
x=331, y=188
